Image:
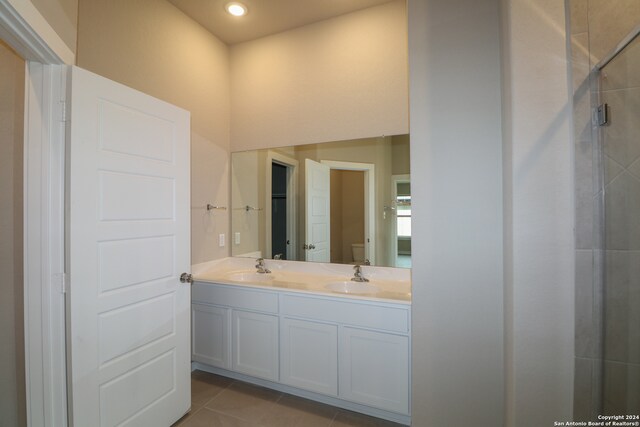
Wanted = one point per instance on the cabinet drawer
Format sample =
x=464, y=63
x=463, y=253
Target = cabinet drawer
x=351, y=312
x=230, y=296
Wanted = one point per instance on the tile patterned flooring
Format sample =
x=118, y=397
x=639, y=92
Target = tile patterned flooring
x=220, y=401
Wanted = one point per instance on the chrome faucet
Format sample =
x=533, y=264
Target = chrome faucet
x=357, y=274
x=260, y=266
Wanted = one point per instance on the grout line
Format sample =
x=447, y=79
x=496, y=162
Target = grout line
x=333, y=420
x=228, y=415
x=217, y=394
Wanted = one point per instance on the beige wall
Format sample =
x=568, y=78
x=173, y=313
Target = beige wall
x=342, y=78
x=62, y=15
x=400, y=149
x=151, y=46
x=12, y=373
x=247, y=190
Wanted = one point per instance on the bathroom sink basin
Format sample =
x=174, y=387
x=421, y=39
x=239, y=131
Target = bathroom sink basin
x=249, y=277
x=350, y=287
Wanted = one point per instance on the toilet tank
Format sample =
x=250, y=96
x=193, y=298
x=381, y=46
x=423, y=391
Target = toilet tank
x=357, y=251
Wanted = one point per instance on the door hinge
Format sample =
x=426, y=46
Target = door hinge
x=60, y=281
x=63, y=113
x=601, y=115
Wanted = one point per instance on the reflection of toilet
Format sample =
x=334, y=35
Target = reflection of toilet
x=357, y=252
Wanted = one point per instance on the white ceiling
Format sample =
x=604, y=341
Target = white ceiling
x=265, y=17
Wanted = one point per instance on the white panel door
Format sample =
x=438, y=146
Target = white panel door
x=128, y=242
x=318, y=214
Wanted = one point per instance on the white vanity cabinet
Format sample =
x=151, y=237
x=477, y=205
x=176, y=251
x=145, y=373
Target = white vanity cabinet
x=372, y=348
x=236, y=328
x=348, y=352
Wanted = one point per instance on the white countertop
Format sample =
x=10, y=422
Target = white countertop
x=385, y=283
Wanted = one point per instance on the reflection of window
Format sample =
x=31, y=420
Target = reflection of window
x=403, y=211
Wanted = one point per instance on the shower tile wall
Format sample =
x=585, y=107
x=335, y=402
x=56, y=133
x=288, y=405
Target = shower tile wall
x=596, y=26
x=620, y=89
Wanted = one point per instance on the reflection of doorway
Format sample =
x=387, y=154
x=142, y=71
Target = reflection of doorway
x=280, y=211
x=368, y=172
x=347, y=216
x=401, y=239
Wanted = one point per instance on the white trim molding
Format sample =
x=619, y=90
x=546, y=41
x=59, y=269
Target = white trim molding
x=24, y=29
x=44, y=299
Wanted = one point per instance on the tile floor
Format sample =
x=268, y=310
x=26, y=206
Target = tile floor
x=220, y=401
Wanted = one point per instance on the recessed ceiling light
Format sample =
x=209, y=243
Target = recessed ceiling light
x=236, y=9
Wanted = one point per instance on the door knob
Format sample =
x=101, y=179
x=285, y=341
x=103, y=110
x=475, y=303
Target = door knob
x=186, y=278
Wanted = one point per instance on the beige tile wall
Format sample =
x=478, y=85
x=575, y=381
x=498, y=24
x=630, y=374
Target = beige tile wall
x=603, y=315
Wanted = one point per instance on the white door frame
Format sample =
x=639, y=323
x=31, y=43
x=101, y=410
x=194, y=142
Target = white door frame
x=395, y=180
x=292, y=201
x=24, y=29
x=369, y=202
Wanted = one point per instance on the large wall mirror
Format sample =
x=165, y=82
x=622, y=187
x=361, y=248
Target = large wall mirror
x=343, y=202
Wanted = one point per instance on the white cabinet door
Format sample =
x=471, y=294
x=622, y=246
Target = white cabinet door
x=127, y=243
x=211, y=335
x=309, y=356
x=255, y=344
x=374, y=369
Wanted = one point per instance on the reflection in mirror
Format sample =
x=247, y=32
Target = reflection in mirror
x=343, y=202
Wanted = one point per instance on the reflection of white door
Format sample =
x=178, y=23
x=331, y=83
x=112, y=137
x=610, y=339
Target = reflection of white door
x=128, y=242
x=392, y=212
x=317, y=216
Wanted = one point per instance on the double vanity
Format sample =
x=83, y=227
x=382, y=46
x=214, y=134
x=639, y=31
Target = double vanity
x=309, y=330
